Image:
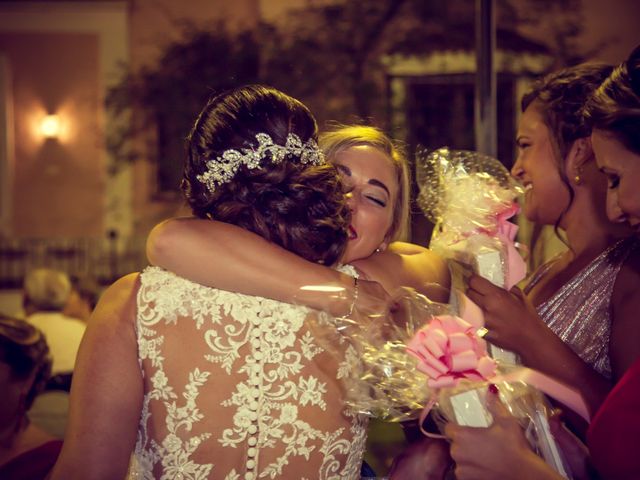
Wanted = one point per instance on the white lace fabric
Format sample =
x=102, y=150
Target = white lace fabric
x=238, y=387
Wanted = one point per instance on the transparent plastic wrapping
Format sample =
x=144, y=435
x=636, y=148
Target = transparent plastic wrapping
x=385, y=384
x=465, y=403
x=422, y=358
x=469, y=197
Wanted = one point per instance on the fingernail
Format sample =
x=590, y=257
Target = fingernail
x=493, y=388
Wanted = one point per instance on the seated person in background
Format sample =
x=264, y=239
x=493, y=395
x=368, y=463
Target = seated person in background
x=26, y=452
x=83, y=298
x=46, y=293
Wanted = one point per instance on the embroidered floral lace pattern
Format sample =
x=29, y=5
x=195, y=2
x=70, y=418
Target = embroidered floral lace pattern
x=238, y=387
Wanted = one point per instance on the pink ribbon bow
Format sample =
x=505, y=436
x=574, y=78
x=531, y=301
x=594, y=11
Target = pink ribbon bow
x=448, y=350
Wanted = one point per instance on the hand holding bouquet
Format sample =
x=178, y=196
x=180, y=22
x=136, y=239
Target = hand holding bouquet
x=423, y=359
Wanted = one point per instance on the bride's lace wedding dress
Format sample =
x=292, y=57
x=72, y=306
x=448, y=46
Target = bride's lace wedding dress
x=238, y=387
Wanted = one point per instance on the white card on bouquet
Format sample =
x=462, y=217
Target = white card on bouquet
x=489, y=264
x=469, y=409
x=548, y=446
x=502, y=355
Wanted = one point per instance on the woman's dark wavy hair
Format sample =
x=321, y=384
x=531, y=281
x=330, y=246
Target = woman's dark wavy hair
x=24, y=348
x=560, y=98
x=299, y=207
x=615, y=106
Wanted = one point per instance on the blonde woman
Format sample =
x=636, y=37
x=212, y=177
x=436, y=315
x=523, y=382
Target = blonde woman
x=376, y=183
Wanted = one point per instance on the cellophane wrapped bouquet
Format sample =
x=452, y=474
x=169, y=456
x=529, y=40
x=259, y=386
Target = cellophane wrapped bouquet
x=422, y=358
x=469, y=197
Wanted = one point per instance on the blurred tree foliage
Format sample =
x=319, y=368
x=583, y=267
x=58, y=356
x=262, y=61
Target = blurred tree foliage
x=330, y=55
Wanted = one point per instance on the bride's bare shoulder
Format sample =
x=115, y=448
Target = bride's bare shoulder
x=117, y=303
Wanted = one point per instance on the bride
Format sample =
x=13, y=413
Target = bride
x=201, y=383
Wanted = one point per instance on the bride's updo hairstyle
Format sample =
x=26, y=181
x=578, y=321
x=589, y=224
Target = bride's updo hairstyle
x=287, y=195
x=615, y=106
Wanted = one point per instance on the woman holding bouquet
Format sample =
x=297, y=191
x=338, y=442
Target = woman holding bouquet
x=576, y=317
x=613, y=113
x=575, y=320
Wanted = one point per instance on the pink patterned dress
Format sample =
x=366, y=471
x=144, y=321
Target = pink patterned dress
x=580, y=312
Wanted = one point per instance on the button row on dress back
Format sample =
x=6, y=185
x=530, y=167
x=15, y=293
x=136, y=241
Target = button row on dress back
x=255, y=380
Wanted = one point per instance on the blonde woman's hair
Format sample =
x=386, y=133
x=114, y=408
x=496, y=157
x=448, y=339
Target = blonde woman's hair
x=343, y=137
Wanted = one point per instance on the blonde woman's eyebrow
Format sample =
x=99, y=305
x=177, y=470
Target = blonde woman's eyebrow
x=378, y=183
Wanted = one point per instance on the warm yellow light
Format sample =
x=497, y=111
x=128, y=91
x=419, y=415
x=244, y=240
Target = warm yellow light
x=322, y=288
x=50, y=126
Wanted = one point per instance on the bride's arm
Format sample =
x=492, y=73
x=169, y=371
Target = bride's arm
x=228, y=257
x=107, y=391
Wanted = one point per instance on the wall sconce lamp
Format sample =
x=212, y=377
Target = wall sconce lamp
x=50, y=126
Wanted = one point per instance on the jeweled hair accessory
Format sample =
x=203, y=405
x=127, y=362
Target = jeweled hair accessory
x=222, y=169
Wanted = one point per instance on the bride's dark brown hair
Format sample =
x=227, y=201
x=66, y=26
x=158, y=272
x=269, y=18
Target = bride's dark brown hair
x=299, y=207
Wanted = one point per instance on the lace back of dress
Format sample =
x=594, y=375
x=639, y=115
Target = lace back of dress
x=237, y=387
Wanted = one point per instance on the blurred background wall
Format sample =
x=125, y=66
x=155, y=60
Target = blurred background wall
x=118, y=83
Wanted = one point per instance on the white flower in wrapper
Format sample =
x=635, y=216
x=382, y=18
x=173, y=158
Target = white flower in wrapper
x=470, y=196
x=462, y=191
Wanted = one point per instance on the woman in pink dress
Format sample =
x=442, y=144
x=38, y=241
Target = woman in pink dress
x=576, y=318
x=613, y=112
